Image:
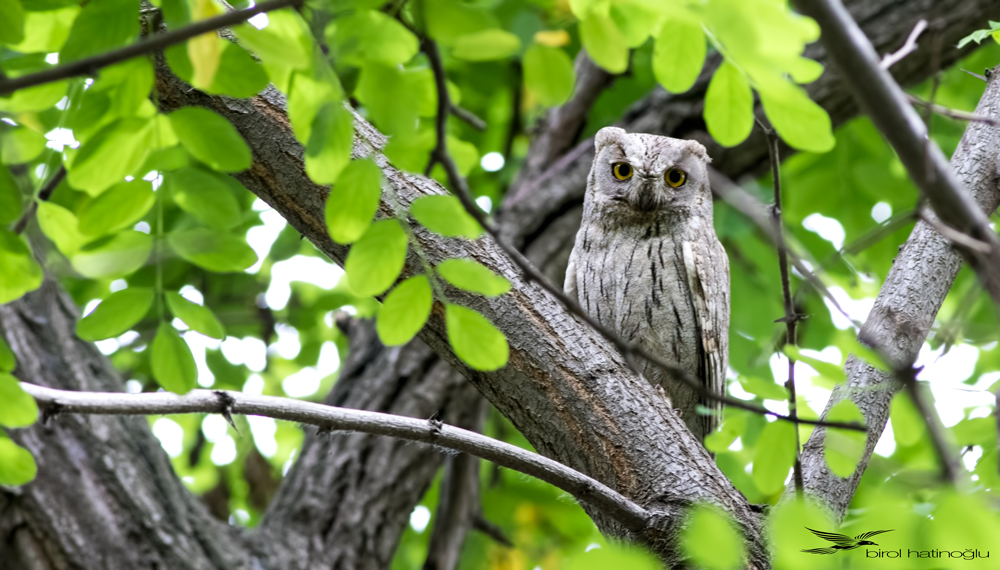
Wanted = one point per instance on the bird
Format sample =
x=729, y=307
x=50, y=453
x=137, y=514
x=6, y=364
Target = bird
x=843, y=542
x=648, y=265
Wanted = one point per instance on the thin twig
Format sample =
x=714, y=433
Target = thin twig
x=909, y=46
x=467, y=116
x=330, y=418
x=952, y=113
x=953, y=235
x=490, y=529
x=530, y=273
x=950, y=467
x=43, y=195
x=90, y=65
x=791, y=318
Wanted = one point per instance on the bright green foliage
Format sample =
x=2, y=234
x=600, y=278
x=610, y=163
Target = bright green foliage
x=774, y=457
x=604, y=43
x=172, y=362
x=100, y=27
x=10, y=197
x=17, y=408
x=446, y=216
x=486, y=45
x=763, y=388
x=115, y=151
x=907, y=425
x=548, y=73
x=119, y=207
x=679, y=54
x=833, y=372
x=472, y=276
x=20, y=145
x=711, y=540
x=353, y=201
x=370, y=35
x=786, y=525
x=214, y=251
x=117, y=313
x=198, y=317
x=18, y=266
x=17, y=466
x=614, y=555
x=205, y=195
x=475, y=340
x=979, y=35
x=404, y=311
x=329, y=148
x=60, y=226
x=211, y=139
x=7, y=359
x=11, y=22
x=238, y=74
x=843, y=449
x=447, y=20
x=115, y=256
x=729, y=106
x=283, y=43
x=307, y=96
x=374, y=262
x=801, y=122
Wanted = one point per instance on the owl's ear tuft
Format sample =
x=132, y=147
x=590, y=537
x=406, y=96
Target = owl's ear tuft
x=697, y=148
x=606, y=136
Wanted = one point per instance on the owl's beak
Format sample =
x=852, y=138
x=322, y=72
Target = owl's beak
x=646, y=199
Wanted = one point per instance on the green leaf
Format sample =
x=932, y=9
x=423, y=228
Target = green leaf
x=635, y=21
x=113, y=257
x=114, y=152
x=369, y=35
x=907, y=425
x=21, y=273
x=17, y=408
x=11, y=22
x=866, y=354
x=211, y=139
x=172, y=362
x=604, y=43
x=798, y=119
x=196, y=316
x=844, y=448
x=729, y=106
x=404, y=311
x=239, y=74
x=353, y=201
x=8, y=362
x=548, y=73
x=306, y=98
x=774, y=456
x=472, y=276
x=117, y=313
x=222, y=253
x=330, y=142
x=447, y=20
x=679, y=54
x=378, y=89
x=446, y=216
x=474, y=339
x=36, y=98
x=763, y=388
x=21, y=145
x=60, y=226
x=17, y=466
x=101, y=27
x=487, y=45
x=46, y=32
x=11, y=201
x=376, y=259
x=828, y=370
x=120, y=207
x=711, y=541
x=285, y=42
x=205, y=195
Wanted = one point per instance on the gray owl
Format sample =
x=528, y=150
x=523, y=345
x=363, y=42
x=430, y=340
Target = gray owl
x=647, y=263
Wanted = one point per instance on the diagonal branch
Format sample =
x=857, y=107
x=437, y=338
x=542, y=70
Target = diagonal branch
x=155, y=43
x=53, y=402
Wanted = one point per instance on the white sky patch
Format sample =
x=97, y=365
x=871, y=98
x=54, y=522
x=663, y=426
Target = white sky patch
x=118, y=285
x=259, y=21
x=946, y=374
x=492, y=161
x=199, y=343
x=299, y=268
x=827, y=228
x=232, y=349
x=305, y=382
x=192, y=294
x=420, y=518
x=287, y=346
x=857, y=309
x=90, y=306
x=9, y=121
x=62, y=104
x=254, y=386
x=260, y=238
x=886, y=445
x=171, y=436
x=52, y=58
x=59, y=138
x=142, y=227
x=224, y=451
x=107, y=346
x=971, y=457
x=215, y=427
x=133, y=386
x=40, y=171
x=485, y=203
x=263, y=430
x=151, y=176
x=881, y=212
x=288, y=463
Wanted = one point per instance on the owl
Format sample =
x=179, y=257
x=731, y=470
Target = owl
x=648, y=265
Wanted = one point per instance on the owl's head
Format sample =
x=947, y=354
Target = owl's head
x=649, y=174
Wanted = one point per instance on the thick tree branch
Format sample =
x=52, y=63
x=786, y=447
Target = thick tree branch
x=153, y=44
x=886, y=105
x=330, y=418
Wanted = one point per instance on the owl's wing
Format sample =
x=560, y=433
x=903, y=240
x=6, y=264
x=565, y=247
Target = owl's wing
x=707, y=269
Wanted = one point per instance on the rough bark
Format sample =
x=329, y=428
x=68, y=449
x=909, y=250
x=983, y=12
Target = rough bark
x=906, y=306
x=105, y=495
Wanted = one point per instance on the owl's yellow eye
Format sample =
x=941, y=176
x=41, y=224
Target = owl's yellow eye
x=675, y=177
x=621, y=170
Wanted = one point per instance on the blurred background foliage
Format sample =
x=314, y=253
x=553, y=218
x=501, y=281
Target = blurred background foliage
x=278, y=312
